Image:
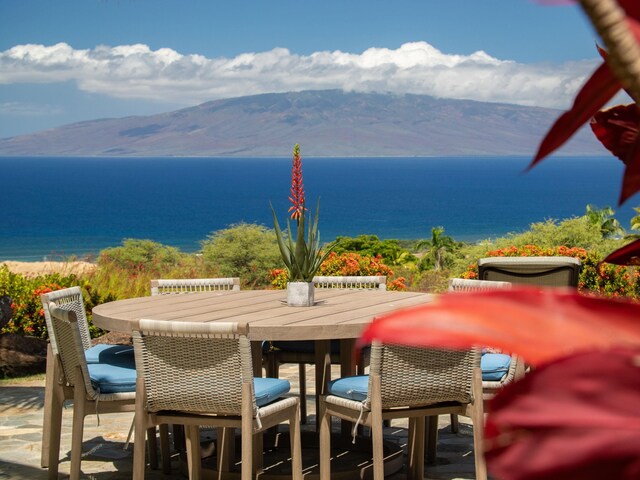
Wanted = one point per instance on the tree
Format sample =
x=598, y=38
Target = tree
x=248, y=251
x=439, y=248
x=371, y=246
x=603, y=218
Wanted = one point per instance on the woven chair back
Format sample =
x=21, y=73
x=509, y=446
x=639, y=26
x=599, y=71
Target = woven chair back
x=412, y=376
x=67, y=299
x=361, y=282
x=470, y=285
x=543, y=271
x=193, y=367
x=193, y=285
x=65, y=328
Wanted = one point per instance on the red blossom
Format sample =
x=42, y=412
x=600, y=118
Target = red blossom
x=297, y=188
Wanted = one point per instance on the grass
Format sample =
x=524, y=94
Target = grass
x=37, y=377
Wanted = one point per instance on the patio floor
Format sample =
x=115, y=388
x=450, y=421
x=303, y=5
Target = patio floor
x=21, y=414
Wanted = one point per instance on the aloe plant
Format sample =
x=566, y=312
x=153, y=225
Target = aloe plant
x=303, y=257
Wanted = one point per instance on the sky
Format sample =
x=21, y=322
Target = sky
x=63, y=61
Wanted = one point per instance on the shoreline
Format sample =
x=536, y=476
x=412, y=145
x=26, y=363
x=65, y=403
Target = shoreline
x=49, y=267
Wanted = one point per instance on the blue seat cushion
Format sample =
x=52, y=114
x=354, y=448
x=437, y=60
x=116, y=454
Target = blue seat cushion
x=353, y=388
x=494, y=366
x=303, y=346
x=269, y=389
x=112, y=378
x=112, y=354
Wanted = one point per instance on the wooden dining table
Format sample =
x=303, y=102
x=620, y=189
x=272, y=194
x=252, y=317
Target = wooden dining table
x=337, y=313
x=340, y=314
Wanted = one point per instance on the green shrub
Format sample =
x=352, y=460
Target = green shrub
x=127, y=270
x=248, y=251
x=28, y=314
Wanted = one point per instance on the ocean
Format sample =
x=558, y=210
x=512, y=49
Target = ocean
x=53, y=208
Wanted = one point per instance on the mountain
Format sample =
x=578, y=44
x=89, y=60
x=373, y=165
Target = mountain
x=324, y=123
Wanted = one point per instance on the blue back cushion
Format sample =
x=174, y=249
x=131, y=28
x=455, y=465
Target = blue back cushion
x=112, y=354
x=112, y=378
x=494, y=366
x=353, y=388
x=269, y=389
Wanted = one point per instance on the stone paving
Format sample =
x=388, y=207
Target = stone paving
x=21, y=414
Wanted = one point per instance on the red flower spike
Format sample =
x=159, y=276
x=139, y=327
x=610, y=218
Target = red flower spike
x=595, y=93
x=627, y=255
x=576, y=417
x=539, y=324
x=297, y=188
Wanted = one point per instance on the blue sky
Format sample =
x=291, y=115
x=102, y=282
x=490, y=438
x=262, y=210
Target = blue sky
x=63, y=61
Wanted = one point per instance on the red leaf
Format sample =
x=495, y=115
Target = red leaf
x=631, y=179
x=539, y=324
x=595, y=93
x=627, y=255
x=576, y=417
x=631, y=8
x=617, y=129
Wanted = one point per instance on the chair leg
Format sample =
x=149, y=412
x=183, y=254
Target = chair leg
x=52, y=424
x=178, y=438
x=164, y=448
x=77, y=431
x=139, y=444
x=378, y=455
x=302, y=380
x=416, y=448
x=225, y=448
x=49, y=385
x=193, y=452
x=455, y=424
x=152, y=448
x=431, y=438
x=325, y=442
x=477, y=417
x=296, y=447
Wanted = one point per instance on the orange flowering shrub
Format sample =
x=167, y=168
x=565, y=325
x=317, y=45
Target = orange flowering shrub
x=347, y=264
x=606, y=279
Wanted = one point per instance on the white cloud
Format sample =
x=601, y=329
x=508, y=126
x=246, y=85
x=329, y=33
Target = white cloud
x=136, y=71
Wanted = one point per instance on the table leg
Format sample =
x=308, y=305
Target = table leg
x=323, y=371
x=347, y=368
x=256, y=358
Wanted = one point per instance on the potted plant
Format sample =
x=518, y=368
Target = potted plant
x=302, y=257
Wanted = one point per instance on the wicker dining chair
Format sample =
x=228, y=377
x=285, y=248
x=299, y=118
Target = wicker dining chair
x=406, y=382
x=543, y=271
x=277, y=353
x=498, y=369
x=96, y=388
x=202, y=374
x=59, y=387
x=179, y=286
x=165, y=286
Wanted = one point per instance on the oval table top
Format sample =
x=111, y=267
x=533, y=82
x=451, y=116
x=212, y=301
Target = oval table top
x=337, y=313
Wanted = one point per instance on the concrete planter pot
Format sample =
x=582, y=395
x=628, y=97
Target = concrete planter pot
x=300, y=294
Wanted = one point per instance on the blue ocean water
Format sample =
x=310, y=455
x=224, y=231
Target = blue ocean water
x=56, y=207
